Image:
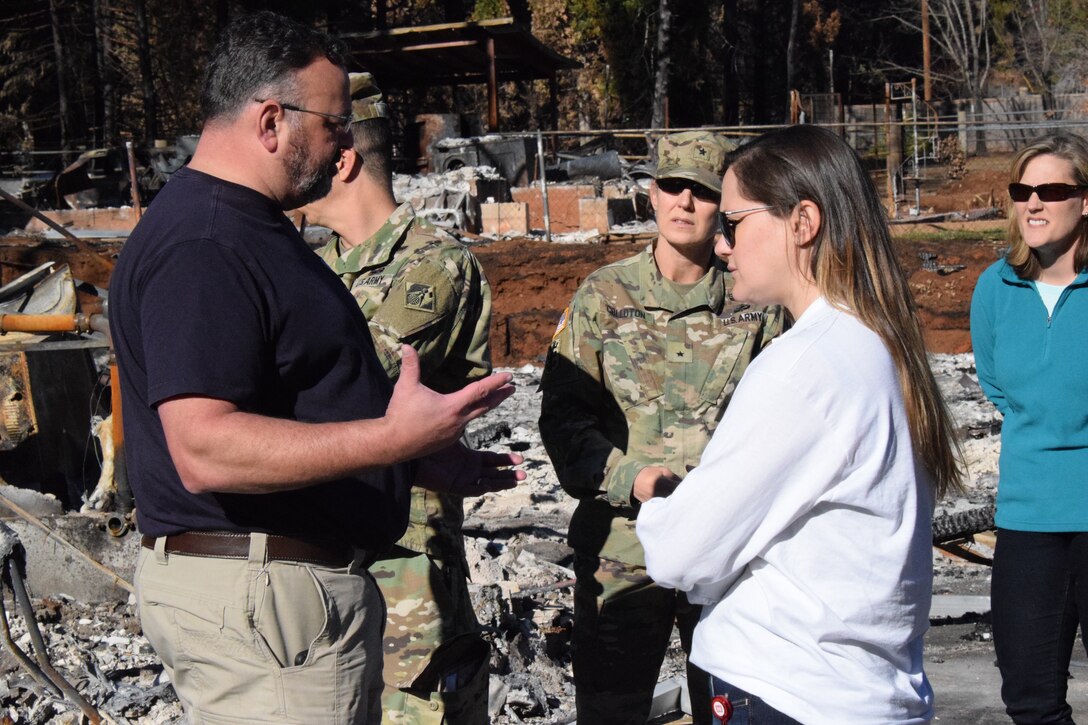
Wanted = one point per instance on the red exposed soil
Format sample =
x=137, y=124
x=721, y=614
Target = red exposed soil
x=532, y=282
x=944, y=299
x=982, y=185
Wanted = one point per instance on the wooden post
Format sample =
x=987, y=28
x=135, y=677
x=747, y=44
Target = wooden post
x=795, y=107
x=553, y=101
x=894, y=156
x=927, y=89
x=134, y=183
x=492, y=88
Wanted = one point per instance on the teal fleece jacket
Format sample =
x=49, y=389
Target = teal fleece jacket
x=1034, y=368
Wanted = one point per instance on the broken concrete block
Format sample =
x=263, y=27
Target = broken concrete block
x=53, y=569
x=615, y=191
x=507, y=218
x=38, y=504
x=482, y=191
x=593, y=215
x=601, y=214
x=563, y=207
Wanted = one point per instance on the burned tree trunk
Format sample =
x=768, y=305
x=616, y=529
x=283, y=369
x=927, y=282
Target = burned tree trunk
x=105, y=86
x=147, y=79
x=62, y=86
x=791, y=48
x=661, y=77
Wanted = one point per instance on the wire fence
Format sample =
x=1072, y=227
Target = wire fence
x=923, y=164
x=592, y=181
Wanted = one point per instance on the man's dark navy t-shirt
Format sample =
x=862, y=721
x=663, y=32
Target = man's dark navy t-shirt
x=215, y=294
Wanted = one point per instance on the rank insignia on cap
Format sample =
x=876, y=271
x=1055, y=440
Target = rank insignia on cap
x=419, y=296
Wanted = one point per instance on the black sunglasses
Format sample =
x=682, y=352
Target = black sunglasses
x=728, y=227
x=1046, y=192
x=674, y=187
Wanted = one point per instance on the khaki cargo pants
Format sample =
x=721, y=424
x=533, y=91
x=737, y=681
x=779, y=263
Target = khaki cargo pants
x=264, y=642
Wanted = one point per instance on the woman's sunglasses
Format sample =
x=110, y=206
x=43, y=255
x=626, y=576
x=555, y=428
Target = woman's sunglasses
x=675, y=187
x=728, y=227
x=1046, y=192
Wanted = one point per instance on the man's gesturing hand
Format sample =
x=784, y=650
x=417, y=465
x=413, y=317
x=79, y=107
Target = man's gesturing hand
x=422, y=421
x=466, y=472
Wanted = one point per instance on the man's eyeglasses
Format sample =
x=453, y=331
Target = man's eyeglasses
x=1046, y=192
x=728, y=227
x=675, y=187
x=340, y=122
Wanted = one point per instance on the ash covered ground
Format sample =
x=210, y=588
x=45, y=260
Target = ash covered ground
x=522, y=582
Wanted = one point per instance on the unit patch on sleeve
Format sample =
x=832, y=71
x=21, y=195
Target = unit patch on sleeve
x=418, y=296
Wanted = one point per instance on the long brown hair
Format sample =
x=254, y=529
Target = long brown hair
x=854, y=265
x=1073, y=149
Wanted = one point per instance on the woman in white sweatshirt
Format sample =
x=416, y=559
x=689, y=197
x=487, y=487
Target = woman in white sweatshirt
x=805, y=529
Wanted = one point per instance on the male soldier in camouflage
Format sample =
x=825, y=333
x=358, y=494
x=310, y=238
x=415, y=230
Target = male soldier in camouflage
x=640, y=369
x=416, y=285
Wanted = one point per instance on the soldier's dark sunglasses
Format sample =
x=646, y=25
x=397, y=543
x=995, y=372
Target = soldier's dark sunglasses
x=674, y=187
x=1046, y=192
x=728, y=227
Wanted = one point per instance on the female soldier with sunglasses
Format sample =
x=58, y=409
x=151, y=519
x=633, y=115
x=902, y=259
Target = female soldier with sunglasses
x=640, y=370
x=1029, y=316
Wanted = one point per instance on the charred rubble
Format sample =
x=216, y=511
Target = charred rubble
x=522, y=589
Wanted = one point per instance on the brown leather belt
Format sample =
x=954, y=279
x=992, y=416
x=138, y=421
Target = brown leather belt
x=230, y=545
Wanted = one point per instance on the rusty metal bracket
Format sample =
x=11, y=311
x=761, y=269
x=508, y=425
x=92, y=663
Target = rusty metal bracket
x=40, y=669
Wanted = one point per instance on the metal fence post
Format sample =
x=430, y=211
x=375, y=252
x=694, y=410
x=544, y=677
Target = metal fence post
x=961, y=130
x=543, y=187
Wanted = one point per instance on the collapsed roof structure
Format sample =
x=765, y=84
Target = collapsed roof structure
x=451, y=54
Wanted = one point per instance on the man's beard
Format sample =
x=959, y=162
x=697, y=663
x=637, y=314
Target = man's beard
x=311, y=178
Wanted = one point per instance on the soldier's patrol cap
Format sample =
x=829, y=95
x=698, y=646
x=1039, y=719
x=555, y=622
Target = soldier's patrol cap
x=695, y=155
x=366, y=98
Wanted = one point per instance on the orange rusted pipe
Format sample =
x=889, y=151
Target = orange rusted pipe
x=74, y=323
x=44, y=323
x=115, y=406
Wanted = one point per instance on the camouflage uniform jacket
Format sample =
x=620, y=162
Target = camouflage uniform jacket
x=639, y=374
x=417, y=285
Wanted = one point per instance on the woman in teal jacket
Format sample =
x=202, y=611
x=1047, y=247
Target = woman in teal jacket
x=1029, y=327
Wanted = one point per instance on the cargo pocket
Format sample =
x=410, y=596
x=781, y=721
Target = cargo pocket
x=725, y=370
x=290, y=612
x=629, y=368
x=210, y=658
x=454, y=687
x=186, y=632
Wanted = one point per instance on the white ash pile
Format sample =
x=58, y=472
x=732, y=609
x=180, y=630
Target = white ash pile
x=522, y=583
x=522, y=586
x=516, y=546
x=978, y=424
x=100, y=650
x=451, y=199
